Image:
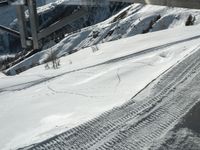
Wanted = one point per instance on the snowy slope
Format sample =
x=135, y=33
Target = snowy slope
x=50, y=13
x=40, y=103
x=133, y=20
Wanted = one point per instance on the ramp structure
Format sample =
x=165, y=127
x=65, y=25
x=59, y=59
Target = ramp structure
x=33, y=41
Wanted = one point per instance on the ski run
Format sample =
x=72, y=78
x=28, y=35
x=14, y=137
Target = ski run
x=126, y=94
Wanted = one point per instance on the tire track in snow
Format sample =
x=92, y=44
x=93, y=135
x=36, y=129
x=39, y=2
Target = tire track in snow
x=103, y=132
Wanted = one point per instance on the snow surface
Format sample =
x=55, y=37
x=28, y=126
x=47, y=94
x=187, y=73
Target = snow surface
x=133, y=20
x=2, y=75
x=39, y=103
x=186, y=134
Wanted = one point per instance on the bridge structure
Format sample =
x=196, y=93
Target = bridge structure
x=33, y=40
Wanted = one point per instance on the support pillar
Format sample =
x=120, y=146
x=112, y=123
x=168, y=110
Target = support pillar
x=22, y=25
x=33, y=22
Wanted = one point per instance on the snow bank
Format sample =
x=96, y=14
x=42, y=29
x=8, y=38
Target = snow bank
x=40, y=103
x=133, y=20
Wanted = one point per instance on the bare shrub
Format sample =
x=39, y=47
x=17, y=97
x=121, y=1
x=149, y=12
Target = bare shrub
x=52, y=60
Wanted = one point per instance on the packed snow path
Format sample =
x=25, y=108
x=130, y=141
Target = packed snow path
x=136, y=124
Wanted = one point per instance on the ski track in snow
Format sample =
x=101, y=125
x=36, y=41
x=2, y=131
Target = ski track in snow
x=135, y=125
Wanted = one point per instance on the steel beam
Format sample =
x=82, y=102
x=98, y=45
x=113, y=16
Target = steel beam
x=10, y=31
x=61, y=23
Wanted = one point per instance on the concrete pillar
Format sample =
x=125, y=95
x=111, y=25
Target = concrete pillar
x=33, y=22
x=22, y=24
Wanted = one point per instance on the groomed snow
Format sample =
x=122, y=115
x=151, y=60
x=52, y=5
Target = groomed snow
x=40, y=103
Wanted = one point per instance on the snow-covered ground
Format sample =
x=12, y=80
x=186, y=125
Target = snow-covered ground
x=115, y=61
x=40, y=103
x=134, y=19
x=2, y=75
